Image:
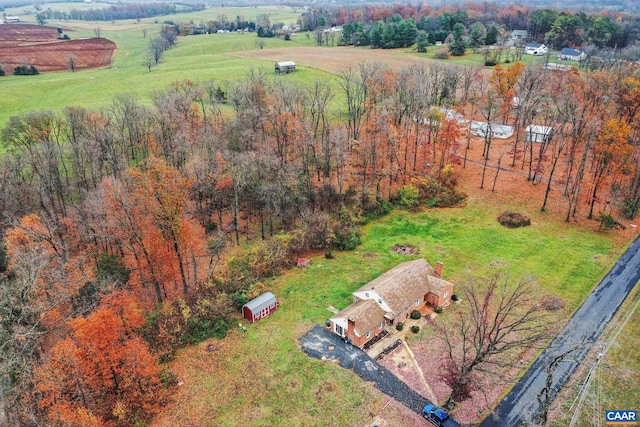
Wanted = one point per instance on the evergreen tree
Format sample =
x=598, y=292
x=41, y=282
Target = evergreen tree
x=459, y=46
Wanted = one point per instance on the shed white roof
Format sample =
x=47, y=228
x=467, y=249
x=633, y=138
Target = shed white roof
x=497, y=131
x=286, y=64
x=543, y=130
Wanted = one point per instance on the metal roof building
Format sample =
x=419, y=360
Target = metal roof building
x=260, y=307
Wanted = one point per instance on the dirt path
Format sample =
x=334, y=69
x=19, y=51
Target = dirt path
x=418, y=369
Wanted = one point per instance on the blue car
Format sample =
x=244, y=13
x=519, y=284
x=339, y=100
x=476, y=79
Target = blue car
x=435, y=415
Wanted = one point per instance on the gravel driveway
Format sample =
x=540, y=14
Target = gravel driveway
x=322, y=344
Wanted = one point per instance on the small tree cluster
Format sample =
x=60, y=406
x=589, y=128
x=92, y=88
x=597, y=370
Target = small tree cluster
x=25, y=70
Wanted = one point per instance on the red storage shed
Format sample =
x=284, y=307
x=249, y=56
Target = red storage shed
x=260, y=307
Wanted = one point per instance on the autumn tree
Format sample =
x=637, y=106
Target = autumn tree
x=612, y=153
x=355, y=84
x=103, y=373
x=35, y=300
x=497, y=320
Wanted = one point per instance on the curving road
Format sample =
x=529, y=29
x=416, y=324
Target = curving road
x=583, y=330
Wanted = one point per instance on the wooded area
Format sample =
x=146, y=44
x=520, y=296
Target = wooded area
x=115, y=221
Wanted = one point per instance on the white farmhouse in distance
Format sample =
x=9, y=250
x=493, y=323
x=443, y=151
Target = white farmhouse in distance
x=536, y=49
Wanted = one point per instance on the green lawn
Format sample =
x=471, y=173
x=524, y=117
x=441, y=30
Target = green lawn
x=292, y=389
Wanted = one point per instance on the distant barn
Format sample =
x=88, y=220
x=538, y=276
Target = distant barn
x=285, y=67
x=260, y=307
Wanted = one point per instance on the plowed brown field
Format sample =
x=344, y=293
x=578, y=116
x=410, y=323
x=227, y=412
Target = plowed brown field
x=38, y=46
x=336, y=58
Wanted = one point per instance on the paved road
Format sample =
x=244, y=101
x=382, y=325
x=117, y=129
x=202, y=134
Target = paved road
x=585, y=327
x=321, y=344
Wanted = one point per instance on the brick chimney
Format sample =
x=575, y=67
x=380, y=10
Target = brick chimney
x=439, y=266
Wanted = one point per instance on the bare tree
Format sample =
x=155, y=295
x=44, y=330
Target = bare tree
x=148, y=60
x=260, y=43
x=497, y=320
x=97, y=32
x=72, y=63
x=157, y=46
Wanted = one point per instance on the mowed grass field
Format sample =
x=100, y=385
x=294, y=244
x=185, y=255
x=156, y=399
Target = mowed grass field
x=261, y=377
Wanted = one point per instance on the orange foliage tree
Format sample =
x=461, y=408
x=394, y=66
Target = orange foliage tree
x=147, y=220
x=102, y=374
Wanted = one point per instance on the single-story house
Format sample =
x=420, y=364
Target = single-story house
x=9, y=20
x=519, y=34
x=260, y=307
x=537, y=133
x=389, y=299
x=536, y=49
x=497, y=131
x=558, y=67
x=285, y=67
x=447, y=114
x=570, y=54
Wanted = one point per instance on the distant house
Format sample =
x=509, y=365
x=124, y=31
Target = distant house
x=558, y=67
x=537, y=133
x=260, y=307
x=570, y=54
x=10, y=20
x=285, y=67
x=389, y=299
x=483, y=129
x=519, y=34
x=536, y=49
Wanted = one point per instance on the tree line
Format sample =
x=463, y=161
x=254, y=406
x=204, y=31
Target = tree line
x=115, y=221
x=557, y=28
x=124, y=11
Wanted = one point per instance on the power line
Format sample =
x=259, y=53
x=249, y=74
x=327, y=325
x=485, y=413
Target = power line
x=592, y=372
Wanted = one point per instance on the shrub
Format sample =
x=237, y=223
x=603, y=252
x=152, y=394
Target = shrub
x=2, y=73
x=24, y=70
x=513, y=219
x=438, y=309
x=415, y=314
x=415, y=329
x=346, y=238
x=489, y=63
x=552, y=303
x=167, y=377
x=454, y=297
x=607, y=222
x=408, y=196
x=443, y=54
x=399, y=326
x=439, y=190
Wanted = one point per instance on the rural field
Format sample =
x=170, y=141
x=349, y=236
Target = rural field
x=264, y=368
x=261, y=376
